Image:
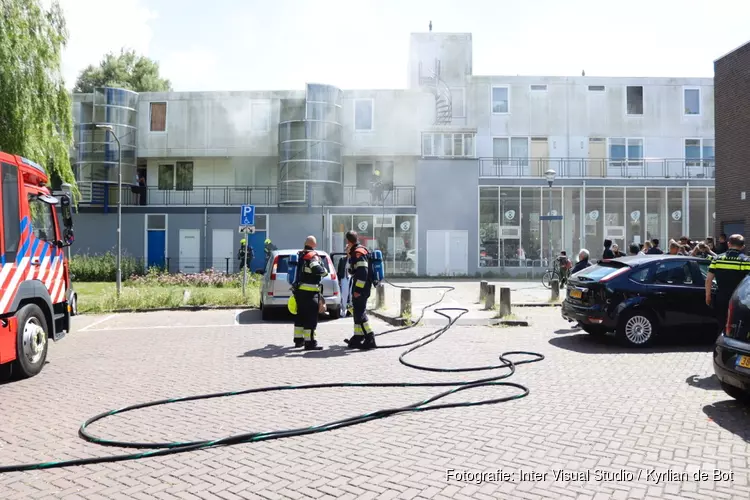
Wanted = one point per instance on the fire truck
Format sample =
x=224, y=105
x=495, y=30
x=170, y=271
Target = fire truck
x=35, y=291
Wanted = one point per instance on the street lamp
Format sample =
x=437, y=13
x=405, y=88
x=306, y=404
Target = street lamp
x=111, y=130
x=550, y=176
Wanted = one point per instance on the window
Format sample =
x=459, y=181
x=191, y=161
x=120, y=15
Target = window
x=692, y=101
x=538, y=88
x=634, y=97
x=458, y=102
x=179, y=179
x=673, y=273
x=500, y=100
x=454, y=145
x=158, y=117
x=42, y=219
x=704, y=272
x=596, y=272
x=11, y=212
x=260, y=116
x=597, y=88
x=513, y=148
x=641, y=276
x=364, y=175
x=699, y=152
x=363, y=114
x=625, y=150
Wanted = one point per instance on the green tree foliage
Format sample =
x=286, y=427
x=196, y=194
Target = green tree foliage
x=35, y=108
x=125, y=70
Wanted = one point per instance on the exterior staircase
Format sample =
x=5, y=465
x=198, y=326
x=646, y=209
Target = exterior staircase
x=443, y=102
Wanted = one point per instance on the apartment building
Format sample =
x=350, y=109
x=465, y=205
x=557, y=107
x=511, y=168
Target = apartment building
x=463, y=159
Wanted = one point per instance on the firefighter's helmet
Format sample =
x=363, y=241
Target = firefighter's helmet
x=268, y=240
x=243, y=242
x=377, y=173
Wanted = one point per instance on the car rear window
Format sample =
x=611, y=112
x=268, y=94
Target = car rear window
x=282, y=266
x=597, y=272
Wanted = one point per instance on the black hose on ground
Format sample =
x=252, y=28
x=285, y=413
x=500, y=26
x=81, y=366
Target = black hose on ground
x=161, y=449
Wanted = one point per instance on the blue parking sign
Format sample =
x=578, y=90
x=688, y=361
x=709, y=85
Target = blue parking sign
x=247, y=215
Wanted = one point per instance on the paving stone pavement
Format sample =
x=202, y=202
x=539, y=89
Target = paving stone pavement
x=593, y=406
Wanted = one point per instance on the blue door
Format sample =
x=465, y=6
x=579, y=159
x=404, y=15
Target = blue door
x=156, y=248
x=257, y=242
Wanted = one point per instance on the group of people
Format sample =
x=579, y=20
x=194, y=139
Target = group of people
x=729, y=264
x=307, y=294
x=246, y=252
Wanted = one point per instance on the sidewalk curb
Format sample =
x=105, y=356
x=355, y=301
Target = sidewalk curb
x=537, y=305
x=400, y=322
x=162, y=309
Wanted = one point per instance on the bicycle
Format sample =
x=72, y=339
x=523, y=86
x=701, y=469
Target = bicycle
x=554, y=274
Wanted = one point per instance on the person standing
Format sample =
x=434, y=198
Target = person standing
x=583, y=261
x=245, y=249
x=633, y=249
x=721, y=246
x=364, y=337
x=608, y=253
x=344, y=284
x=729, y=269
x=306, y=289
x=654, y=250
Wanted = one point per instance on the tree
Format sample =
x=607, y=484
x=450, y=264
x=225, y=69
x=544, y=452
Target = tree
x=125, y=70
x=35, y=107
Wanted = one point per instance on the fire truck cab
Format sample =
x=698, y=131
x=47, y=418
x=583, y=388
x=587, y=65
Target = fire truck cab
x=35, y=277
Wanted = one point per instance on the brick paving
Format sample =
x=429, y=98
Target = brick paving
x=593, y=407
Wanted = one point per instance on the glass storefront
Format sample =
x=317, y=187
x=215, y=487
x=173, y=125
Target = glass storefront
x=511, y=232
x=394, y=235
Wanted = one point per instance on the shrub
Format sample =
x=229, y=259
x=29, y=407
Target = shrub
x=87, y=268
x=206, y=279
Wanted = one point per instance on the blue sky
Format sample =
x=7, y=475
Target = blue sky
x=281, y=44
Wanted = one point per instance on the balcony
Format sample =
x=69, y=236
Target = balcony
x=605, y=168
x=105, y=195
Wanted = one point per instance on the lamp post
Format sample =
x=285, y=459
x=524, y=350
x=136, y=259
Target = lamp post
x=111, y=130
x=550, y=176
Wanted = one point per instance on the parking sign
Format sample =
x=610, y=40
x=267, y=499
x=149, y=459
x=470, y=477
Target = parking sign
x=247, y=215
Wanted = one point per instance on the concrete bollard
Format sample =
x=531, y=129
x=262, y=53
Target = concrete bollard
x=504, y=301
x=555, y=285
x=482, y=290
x=489, y=300
x=380, y=296
x=406, y=303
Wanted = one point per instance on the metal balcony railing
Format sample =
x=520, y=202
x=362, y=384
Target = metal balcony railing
x=663, y=168
x=105, y=194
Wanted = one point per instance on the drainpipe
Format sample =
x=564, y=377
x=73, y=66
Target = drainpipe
x=205, y=235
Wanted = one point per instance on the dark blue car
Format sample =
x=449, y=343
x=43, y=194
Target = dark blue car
x=732, y=349
x=638, y=297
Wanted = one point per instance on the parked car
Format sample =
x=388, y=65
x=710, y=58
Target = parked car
x=732, y=349
x=275, y=290
x=640, y=296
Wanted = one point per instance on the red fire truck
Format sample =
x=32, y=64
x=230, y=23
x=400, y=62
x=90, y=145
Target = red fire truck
x=34, y=279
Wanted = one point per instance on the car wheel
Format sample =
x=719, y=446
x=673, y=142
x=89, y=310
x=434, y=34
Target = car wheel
x=334, y=313
x=736, y=393
x=594, y=330
x=637, y=329
x=31, y=342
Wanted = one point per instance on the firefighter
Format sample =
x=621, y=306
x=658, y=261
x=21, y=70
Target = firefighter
x=307, y=291
x=241, y=254
x=363, y=337
x=729, y=269
x=268, y=248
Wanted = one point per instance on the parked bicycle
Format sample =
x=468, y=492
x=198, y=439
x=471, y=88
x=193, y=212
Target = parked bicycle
x=556, y=273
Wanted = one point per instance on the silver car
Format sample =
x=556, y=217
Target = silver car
x=275, y=290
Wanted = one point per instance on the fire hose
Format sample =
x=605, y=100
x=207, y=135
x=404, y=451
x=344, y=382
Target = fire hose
x=169, y=448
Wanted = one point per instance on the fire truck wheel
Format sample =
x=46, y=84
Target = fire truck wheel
x=31, y=342
x=74, y=304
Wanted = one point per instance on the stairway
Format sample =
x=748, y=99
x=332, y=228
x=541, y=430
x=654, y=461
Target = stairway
x=443, y=101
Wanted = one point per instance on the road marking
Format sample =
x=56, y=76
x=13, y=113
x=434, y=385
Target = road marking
x=161, y=327
x=97, y=322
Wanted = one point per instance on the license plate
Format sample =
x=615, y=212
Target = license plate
x=743, y=361
x=576, y=294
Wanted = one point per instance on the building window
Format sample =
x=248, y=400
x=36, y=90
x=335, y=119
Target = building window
x=625, y=151
x=538, y=88
x=158, y=116
x=364, y=175
x=511, y=151
x=363, y=114
x=177, y=179
x=500, y=100
x=458, y=103
x=597, y=88
x=699, y=152
x=634, y=97
x=692, y=101
x=260, y=116
x=456, y=145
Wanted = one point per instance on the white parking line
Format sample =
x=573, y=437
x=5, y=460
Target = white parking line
x=85, y=328
x=161, y=327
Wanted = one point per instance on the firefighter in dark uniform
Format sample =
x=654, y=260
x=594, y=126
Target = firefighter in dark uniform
x=307, y=291
x=364, y=337
x=729, y=269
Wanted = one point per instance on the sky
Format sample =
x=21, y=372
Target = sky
x=282, y=44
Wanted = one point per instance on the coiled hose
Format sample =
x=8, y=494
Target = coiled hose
x=161, y=449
